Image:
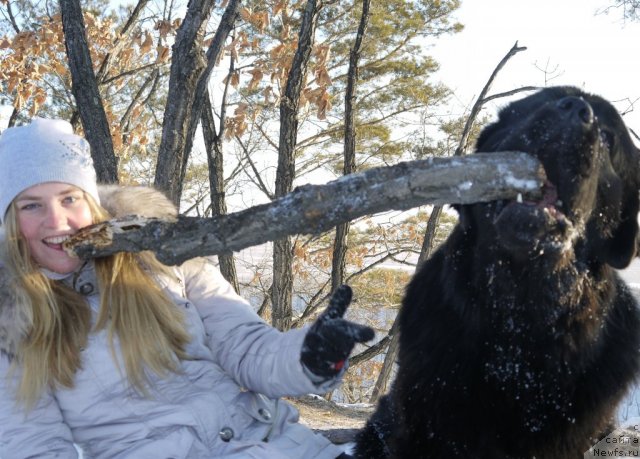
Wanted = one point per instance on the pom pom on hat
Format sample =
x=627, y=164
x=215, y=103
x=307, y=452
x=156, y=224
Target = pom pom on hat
x=43, y=151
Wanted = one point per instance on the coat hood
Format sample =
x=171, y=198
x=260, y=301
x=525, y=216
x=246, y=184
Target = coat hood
x=119, y=201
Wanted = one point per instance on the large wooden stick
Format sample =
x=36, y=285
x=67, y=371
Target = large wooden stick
x=312, y=209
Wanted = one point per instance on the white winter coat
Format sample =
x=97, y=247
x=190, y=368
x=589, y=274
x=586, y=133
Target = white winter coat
x=212, y=409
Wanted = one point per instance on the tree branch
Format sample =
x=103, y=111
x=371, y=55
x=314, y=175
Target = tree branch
x=481, y=98
x=311, y=209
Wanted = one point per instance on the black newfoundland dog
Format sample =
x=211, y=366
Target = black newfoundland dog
x=517, y=337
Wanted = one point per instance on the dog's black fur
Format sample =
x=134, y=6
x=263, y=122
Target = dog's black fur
x=517, y=337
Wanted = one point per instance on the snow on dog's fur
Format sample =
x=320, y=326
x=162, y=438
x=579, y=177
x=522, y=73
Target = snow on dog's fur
x=517, y=337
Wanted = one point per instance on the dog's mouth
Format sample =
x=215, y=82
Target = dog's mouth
x=549, y=204
x=525, y=225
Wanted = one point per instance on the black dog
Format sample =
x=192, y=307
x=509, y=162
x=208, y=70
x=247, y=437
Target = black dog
x=517, y=337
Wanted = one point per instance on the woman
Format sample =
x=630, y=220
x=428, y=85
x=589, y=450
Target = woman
x=129, y=358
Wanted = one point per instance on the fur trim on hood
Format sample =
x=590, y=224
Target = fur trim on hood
x=119, y=201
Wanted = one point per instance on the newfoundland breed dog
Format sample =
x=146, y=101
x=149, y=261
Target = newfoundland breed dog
x=517, y=337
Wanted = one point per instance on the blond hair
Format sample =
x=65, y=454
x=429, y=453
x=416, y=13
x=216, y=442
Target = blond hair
x=149, y=327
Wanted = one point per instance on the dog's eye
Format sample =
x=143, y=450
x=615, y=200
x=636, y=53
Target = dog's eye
x=607, y=139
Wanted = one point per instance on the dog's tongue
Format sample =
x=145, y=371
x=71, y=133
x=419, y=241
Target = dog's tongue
x=550, y=196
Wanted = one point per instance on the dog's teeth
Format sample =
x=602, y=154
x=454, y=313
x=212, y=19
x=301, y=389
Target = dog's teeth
x=519, y=198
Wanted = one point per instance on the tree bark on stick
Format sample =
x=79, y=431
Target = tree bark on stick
x=282, y=287
x=85, y=91
x=312, y=209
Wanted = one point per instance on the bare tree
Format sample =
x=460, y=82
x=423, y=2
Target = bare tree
x=190, y=72
x=86, y=93
x=282, y=288
x=342, y=231
x=213, y=145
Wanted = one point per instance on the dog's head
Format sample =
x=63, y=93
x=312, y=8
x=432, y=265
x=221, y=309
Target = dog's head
x=593, y=168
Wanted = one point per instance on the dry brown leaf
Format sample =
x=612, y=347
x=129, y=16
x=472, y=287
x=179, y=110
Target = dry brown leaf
x=241, y=109
x=147, y=44
x=89, y=19
x=277, y=51
x=164, y=28
x=164, y=53
x=261, y=20
x=279, y=7
x=241, y=127
x=267, y=93
x=321, y=53
x=324, y=105
x=256, y=78
x=322, y=77
x=285, y=33
x=12, y=84
x=125, y=56
x=245, y=14
x=235, y=79
x=19, y=101
x=59, y=67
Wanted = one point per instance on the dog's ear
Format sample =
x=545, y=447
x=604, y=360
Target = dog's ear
x=624, y=243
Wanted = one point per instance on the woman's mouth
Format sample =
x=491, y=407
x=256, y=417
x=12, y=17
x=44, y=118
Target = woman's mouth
x=55, y=242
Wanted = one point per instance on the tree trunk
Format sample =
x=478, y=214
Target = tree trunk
x=282, y=288
x=380, y=387
x=340, y=244
x=85, y=91
x=213, y=144
x=188, y=79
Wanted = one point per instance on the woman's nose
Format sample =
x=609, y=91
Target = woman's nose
x=56, y=216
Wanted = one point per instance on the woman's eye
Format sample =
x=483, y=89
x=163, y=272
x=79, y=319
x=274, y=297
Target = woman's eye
x=70, y=199
x=29, y=206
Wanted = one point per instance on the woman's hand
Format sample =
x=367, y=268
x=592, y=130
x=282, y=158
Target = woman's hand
x=331, y=338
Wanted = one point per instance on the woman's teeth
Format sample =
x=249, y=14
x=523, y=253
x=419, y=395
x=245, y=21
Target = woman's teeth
x=55, y=240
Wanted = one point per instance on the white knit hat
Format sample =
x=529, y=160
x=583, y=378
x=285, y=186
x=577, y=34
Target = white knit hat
x=40, y=152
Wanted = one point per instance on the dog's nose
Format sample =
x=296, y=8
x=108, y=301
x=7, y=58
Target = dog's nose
x=576, y=108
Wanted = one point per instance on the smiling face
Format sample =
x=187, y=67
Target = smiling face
x=47, y=214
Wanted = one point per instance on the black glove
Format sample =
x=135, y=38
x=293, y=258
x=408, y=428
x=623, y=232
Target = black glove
x=331, y=338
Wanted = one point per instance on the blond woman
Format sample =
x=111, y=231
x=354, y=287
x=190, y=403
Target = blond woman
x=128, y=358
